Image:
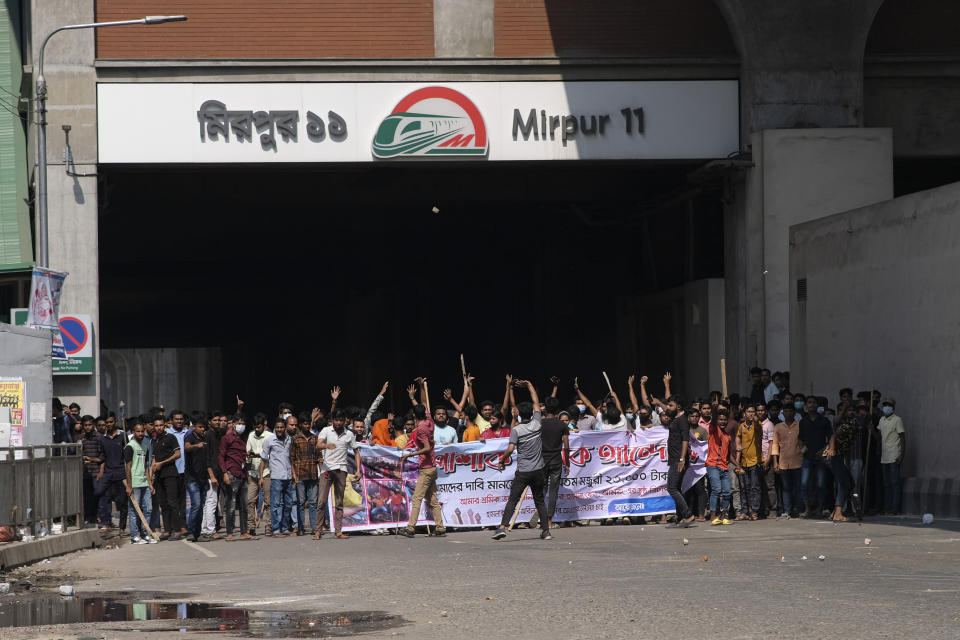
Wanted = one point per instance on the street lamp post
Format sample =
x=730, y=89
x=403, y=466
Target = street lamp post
x=42, y=219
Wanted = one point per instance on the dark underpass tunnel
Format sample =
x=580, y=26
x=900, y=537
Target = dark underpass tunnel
x=307, y=277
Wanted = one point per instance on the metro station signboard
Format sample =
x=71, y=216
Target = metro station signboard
x=400, y=122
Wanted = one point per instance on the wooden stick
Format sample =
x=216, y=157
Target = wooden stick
x=609, y=386
x=723, y=376
x=143, y=521
x=517, y=512
x=463, y=366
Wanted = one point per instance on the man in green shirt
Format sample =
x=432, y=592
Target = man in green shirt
x=137, y=457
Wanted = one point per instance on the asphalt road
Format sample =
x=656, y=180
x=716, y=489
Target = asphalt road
x=741, y=581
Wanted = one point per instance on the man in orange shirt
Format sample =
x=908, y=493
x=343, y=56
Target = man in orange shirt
x=472, y=432
x=381, y=434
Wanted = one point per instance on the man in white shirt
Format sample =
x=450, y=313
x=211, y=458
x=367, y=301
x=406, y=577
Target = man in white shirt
x=893, y=444
x=338, y=442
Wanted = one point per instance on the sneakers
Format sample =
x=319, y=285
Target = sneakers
x=137, y=540
x=715, y=522
x=151, y=541
x=500, y=534
x=545, y=535
x=783, y=516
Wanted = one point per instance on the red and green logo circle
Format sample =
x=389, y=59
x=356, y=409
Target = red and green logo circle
x=433, y=121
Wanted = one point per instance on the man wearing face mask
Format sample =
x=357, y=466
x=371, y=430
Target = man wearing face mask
x=815, y=432
x=233, y=460
x=586, y=420
x=893, y=444
x=276, y=455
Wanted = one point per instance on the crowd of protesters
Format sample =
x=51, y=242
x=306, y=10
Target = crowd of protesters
x=217, y=475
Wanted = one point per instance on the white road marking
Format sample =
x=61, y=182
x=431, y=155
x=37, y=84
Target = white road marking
x=209, y=554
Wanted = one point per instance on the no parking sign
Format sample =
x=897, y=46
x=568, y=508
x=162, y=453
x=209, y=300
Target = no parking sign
x=77, y=333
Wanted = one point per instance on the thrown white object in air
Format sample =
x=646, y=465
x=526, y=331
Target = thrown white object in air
x=435, y=210
x=927, y=518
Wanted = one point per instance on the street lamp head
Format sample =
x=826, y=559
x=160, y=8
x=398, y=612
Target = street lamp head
x=162, y=19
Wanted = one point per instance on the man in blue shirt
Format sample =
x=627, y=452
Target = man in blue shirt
x=180, y=432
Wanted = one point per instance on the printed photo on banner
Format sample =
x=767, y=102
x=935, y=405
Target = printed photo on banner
x=44, y=310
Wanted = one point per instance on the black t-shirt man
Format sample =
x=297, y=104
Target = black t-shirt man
x=678, y=431
x=195, y=469
x=165, y=447
x=551, y=435
x=815, y=436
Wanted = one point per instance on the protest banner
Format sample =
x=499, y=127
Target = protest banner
x=44, y=310
x=612, y=474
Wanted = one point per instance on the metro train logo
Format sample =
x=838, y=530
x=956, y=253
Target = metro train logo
x=433, y=121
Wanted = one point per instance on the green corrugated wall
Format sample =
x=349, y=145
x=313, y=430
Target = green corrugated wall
x=16, y=251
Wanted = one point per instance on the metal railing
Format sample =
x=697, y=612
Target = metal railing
x=40, y=484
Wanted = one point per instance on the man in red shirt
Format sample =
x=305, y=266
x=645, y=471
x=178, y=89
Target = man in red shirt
x=426, y=488
x=233, y=459
x=718, y=467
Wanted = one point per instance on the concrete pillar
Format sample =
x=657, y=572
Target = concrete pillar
x=463, y=28
x=801, y=63
x=71, y=86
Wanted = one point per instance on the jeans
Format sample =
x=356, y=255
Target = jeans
x=307, y=495
x=818, y=468
x=141, y=497
x=426, y=489
x=674, y=479
x=768, y=495
x=790, y=479
x=696, y=497
x=522, y=480
x=735, y=492
x=198, y=495
x=719, y=490
x=337, y=479
x=750, y=484
x=551, y=491
x=169, y=490
x=856, y=471
x=891, y=486
x=110, y=490
x=228, y=502
x=281, y=499
x=253, y=508
x=89, y=499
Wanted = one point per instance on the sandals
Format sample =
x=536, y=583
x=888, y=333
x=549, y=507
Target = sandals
x=342, y=536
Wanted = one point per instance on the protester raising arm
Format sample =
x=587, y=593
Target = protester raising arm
x=592, y=410
x=424, y=393
x=666, y=385
x=644, y=398
x=334, y=394
x=507, y=400
x=556, y=385
x=633, y=395
x=368, y=419
x=412, y=394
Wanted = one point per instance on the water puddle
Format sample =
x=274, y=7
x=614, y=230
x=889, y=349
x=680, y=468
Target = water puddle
x=155, y=612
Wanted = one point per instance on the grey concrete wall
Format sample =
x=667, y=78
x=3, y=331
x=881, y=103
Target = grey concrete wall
x=188, y=378
x=801, y=175
x=882, y=311
x=463, y=28
x=25, y=353
x=922, y=111
x=72, y=201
